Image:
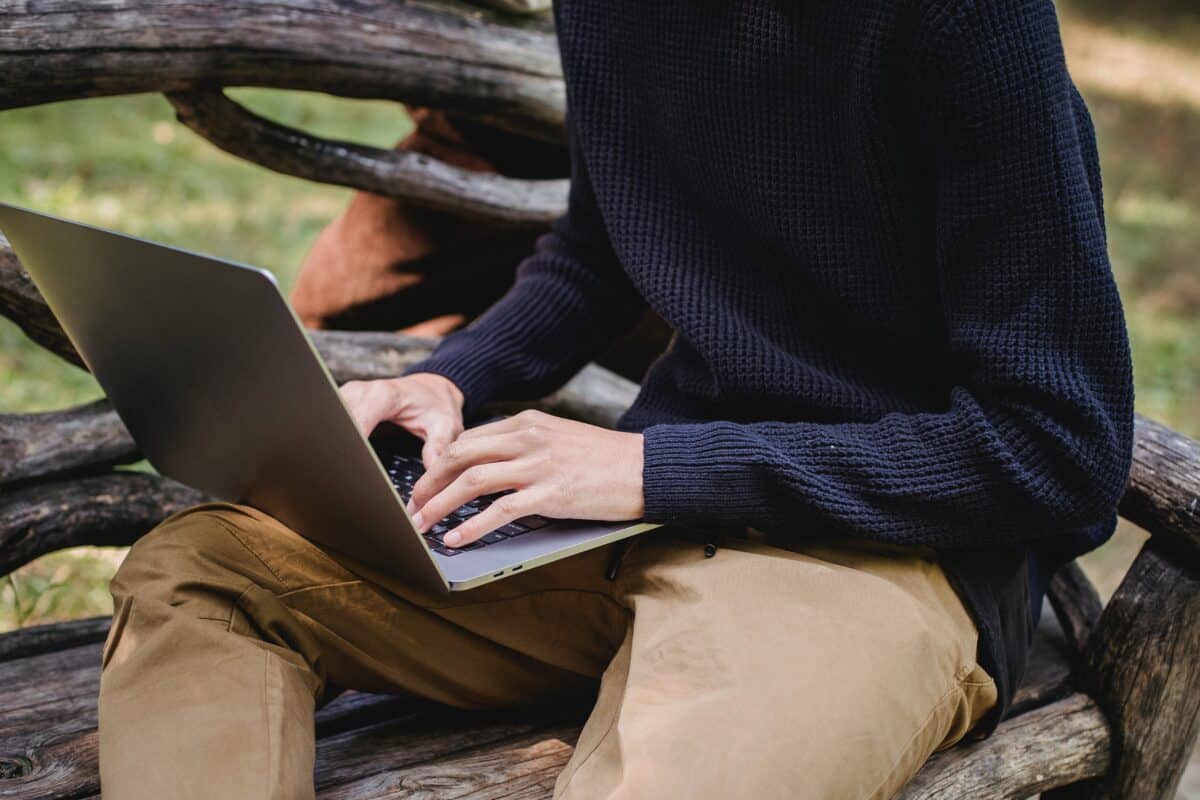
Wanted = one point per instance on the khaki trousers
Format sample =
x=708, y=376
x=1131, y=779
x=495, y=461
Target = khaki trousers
x=757, y=673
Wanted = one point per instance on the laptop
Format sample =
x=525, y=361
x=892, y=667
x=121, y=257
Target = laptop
x=210, y=370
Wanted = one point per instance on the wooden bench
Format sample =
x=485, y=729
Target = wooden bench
x=1111, y=702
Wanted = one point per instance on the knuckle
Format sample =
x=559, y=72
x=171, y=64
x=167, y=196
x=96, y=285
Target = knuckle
x=473, y=477
x=507, y=506
x=453, y=451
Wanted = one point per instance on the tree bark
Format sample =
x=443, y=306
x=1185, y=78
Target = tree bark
x=401, y=174
x=448, y=54
x=58, y=443
x=1164, y=484
x=1142, y=665
x=21, y=302
x=1060, y=743
x=1076, y=604
x=106, y=510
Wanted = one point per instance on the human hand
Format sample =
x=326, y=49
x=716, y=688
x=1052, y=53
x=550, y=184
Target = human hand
x=552, y=467
x=426, y=405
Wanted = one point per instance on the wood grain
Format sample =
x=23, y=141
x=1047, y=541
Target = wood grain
x=39, y=639
x=414, y=177
x=1143, y=666
x=1076, y=603
x=445, y=54
x=113, y=509
x=1164, y=485
x=1055, y=745
x=56, y=443
x=371, y=746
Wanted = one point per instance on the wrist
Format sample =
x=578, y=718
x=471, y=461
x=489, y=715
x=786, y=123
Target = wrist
x=637, y=461
x=440, y=385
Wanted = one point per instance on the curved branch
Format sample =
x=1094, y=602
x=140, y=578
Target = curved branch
x=62, y=442
x=21, y=302
x=1076, y=604
x=448, y=54
x=1164, y=485
x=404, y=175
x=105, y=510
x=1055, y=745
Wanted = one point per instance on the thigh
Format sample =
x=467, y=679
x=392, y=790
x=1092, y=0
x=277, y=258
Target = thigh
x=767, y=673
x=525, y=639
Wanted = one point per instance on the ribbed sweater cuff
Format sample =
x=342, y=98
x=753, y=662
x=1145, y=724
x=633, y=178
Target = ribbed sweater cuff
x=699, y=472
x=471, y=371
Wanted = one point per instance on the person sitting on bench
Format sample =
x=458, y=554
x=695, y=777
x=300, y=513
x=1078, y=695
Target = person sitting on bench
x=897, y=398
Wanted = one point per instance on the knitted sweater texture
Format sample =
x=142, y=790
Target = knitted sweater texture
x=876, y=228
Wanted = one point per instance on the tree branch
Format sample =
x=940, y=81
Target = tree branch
x=404, y=175
x=446, y=54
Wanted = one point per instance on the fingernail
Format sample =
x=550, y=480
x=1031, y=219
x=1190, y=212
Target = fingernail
x=453, y=538
x=418, y=521
x=411, y=508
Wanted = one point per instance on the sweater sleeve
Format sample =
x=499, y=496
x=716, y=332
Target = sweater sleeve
x=571, y=297
x=1035, y=438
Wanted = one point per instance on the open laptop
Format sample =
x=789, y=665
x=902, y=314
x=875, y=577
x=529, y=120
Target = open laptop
x=210, y=370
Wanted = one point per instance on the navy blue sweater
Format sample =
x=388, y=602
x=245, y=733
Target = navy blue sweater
x=876, y=229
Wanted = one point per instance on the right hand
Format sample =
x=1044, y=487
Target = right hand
x=426, y=405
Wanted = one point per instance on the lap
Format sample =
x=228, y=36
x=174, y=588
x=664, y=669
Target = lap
x=529, y=638
x=761, y=672
x=835, y=672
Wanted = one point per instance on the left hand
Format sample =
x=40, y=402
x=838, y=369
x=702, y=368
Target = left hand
x=554, y=467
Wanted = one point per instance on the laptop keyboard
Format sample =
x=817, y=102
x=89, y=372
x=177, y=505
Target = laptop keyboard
x=405, y=471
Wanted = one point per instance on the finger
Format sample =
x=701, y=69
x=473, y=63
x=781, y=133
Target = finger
x=438, y=436
x=517, y=422
x=492, y=478
x=506, y=509
x=457, y=457
x=368, y=408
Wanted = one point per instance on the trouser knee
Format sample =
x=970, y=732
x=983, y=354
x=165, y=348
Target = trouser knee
x=193, y=561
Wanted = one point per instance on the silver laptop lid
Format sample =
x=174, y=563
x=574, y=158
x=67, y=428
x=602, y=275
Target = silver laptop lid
x=211, y=372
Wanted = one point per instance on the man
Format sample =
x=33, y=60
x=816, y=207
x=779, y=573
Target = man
x=899, y=356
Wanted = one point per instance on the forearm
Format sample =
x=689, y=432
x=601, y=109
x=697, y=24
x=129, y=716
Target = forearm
x=557, y=316
x=571, y=297
x=966, y=477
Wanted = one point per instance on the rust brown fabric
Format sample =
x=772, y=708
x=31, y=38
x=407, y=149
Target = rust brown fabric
x=388, y=265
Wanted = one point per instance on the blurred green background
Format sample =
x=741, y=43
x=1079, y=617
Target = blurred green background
x=125, y=163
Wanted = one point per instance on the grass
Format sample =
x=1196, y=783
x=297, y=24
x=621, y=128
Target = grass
x=126, y=163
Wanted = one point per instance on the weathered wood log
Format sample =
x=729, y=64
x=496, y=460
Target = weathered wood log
x=1047, y=674
x=414, y=177
x=51, y=638
x=1164, y=484
x=117, y=508
x=55, y=443
x=381, y=747
x=1052, y=746
x=105, y=510
x=1142, y=665
x=1076, y=603
x=21, y=302
x=448, y=54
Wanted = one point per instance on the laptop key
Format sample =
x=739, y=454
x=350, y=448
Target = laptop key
x=447, y=551
x=533, y=522
x=510, y=530
x=493, y=537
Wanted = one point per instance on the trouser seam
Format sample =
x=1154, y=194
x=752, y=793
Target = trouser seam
x=955, y=686
x=612, y=723
x=267, y=721
x=238, y=538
